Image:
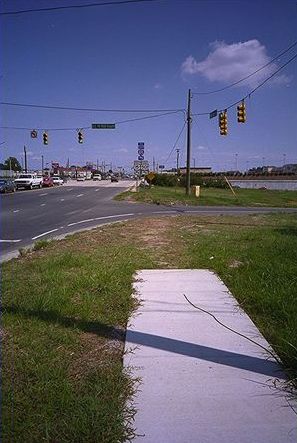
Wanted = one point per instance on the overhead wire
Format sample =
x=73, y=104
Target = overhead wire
x=176, y=141
x=70, y=108
x=87, y=5
x=252, y=91
x=248, y=76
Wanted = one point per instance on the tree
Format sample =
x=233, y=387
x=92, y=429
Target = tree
x=11, y=163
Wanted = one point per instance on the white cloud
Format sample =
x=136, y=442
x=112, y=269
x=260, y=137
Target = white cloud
x=158, y=86
x=229, y=63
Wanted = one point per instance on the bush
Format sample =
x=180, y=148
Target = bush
x=165, y=180
x=196, y=179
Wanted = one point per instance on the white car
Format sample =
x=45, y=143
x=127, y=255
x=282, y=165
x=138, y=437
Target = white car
x=57, y=181
x=97, y=177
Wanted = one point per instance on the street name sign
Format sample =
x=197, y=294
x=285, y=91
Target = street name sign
x=213, y=113
x=103, y=125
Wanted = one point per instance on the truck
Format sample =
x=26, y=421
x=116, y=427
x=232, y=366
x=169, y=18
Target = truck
x=28, y=181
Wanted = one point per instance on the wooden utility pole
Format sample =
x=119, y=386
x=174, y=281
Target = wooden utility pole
x=189, y=121
x=177, y=161
x=25, y=155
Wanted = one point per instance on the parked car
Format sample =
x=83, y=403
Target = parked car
x=114, y=179
x=28, y=181
x=81, y=178
x=97, y=177
x=47, y=182
x=57, y=181
x=7, y=186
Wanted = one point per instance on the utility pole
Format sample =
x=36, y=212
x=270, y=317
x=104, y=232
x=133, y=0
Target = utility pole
x=189, y=120
x=25, y=154
x=177, y=161
x=154, y=164
x=42, y=164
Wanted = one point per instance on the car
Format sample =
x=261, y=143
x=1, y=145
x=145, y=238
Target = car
x=57, y=181
x=81, y=178
x=47, y=182
x=114, y=179
x=28, y=181
x=97, y=177
x=7, y=186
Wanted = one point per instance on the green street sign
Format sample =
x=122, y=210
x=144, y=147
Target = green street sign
x=103, y=125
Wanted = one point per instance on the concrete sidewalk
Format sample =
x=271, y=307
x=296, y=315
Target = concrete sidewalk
x=200, y=382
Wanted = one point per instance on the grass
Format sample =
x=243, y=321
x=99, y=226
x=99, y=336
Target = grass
x=65, y=309
x=213, y=197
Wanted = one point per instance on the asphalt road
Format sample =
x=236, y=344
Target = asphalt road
x=27, y=216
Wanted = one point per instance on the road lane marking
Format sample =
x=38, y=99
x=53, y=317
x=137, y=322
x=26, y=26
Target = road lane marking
x=9, y=241
x=70, y=189
x=96, y=190
x=82, y=221
x=40, y=195
x=100, y=218
x=44, y=233
x=62, y=199
x=43, y=204
x=16, y=210
x=79, y=195
x=73, y=212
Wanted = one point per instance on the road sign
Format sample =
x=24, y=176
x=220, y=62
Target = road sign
x=141, y=165
x=103, y=125
x=141, y=145
x=213, y=113
x=151, y=176
x=141, y=151
x=140, y=157
x=34, y=133
x=161, y=167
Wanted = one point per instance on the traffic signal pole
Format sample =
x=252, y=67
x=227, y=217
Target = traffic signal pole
x=189, y=121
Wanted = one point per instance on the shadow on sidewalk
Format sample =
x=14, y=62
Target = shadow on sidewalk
x=219, y=356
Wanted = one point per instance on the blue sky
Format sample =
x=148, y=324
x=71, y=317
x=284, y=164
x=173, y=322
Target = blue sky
x=146, y=56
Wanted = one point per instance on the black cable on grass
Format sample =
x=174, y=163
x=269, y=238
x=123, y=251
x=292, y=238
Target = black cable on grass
x=232, y=330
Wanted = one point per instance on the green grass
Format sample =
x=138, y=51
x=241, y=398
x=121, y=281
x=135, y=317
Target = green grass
x=258, y=263
x=214, y=197
x=65, y=309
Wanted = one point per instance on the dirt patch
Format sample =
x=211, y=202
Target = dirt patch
x=95, y=352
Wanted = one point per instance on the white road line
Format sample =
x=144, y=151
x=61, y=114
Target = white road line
x=44, y=233
x=40, y=195
x=43, y=204
x=79, y=195
x=9, y=241
x=71, y=189
x=99, y=218
x=96, y=190
x=163, y=212
x=62, y=199
x=82, y=221
x=73, y=212
x=16, y=210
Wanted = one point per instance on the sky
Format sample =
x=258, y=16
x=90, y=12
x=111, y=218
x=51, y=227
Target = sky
x=146, y=56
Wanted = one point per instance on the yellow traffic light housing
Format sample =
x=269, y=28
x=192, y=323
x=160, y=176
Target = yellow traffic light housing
x=223, y=123
x=80, y=136
x=241, y=114
x=45, y=138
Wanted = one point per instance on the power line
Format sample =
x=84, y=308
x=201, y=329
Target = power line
x=253, y=90
x=248, y=76
x=67, y=108
x=148, y=116
x=176, y=141
x=89, y=127
x=89, y=5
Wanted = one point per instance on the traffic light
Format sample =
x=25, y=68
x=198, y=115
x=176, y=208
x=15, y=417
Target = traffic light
x=80, y=136
x=45, y=138
x=223, y=122
x=241, y=114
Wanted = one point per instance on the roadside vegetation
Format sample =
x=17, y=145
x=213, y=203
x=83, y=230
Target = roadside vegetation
x=65, y=308
x=210, y=196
